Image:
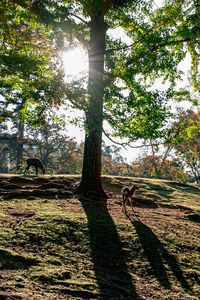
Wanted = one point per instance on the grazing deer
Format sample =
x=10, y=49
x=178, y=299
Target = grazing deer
x=36, y=163
x=127, y=195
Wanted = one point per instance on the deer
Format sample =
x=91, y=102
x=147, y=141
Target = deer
x=127, y=195
x=36, y=163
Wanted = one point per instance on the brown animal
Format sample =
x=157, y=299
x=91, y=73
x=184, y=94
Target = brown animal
x=36, y=163
x=127, y=195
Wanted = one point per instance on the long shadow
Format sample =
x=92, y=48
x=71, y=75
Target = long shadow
x=9, y=261
x=157, y=255
x=183, y=187
x=164, y=192
x=110, y=268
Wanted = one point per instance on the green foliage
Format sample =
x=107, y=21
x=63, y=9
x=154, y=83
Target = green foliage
x=113, y=163
x=160, y=40
x=59, y=153
x=47, y=141
x=186, y=140
x=141, y=114
x=30, y=76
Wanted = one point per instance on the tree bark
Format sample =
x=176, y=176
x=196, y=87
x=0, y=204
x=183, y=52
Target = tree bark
x=91, y=171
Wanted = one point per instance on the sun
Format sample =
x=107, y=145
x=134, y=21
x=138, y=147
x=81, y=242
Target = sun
x=75, y=62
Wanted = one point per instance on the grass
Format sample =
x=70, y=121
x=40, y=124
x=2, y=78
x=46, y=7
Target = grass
x=66, y=248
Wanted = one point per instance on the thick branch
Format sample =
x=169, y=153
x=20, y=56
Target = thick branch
x=76, y=99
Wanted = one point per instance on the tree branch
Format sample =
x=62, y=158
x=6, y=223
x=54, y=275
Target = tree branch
x=127, y=144
x=133, y=44
x=156, y=47
x=107, y=135
x=85, y=22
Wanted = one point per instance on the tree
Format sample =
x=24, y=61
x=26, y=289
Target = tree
x=186, y=140
x=50, y=143
x=158, y=45
x=113, y=162
x=158, y=159
x=144, y=166
x=8, y=149
x=30, y=74
x=30, y=80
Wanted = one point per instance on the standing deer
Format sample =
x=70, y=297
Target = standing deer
x=127, y=195
x=36, y=163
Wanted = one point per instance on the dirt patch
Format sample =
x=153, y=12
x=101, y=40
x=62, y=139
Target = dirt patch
x=19, y=213
x=30, y=188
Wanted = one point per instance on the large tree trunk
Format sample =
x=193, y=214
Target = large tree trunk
x=91, y=171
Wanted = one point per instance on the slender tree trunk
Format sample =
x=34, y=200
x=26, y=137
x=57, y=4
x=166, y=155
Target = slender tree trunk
x=169, y=148
x=154, y=160
x=45, y=159
x=20, y=136
x=20, y=145
x=195, y=171
x=91, y=171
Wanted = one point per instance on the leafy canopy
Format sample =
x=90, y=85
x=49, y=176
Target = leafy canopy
x=159, y=39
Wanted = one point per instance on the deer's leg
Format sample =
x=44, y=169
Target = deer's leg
x=36, y=171
x=131, y=201
x=26, y=169
x=132, y=206
x=125, y=206
x=123, y=203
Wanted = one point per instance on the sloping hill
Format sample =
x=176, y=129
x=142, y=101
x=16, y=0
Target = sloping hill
x=55, y=246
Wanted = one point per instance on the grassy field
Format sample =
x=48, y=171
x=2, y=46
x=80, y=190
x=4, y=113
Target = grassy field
x=55, y=246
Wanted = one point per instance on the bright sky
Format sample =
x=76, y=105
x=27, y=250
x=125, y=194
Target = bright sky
x=75, y=63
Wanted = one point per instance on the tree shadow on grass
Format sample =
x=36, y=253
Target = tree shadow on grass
x=110, y=268
x=157, y=255
x=163, y=191
x=11, y=261
x=183, y=187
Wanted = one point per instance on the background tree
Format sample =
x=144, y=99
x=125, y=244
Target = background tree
x=186, y=140
x=113, y=163
x=50, y=143
x=172, y=168
x=30, y=79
